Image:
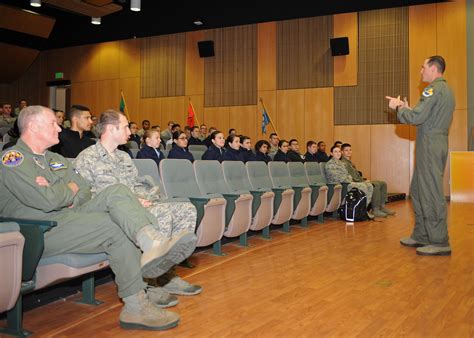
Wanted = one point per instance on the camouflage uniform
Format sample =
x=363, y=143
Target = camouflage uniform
x=102, y=170
x=336, y=172
x=7, y=121
x=379, y=196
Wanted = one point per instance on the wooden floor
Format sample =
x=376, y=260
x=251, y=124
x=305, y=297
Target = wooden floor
x=324, y=281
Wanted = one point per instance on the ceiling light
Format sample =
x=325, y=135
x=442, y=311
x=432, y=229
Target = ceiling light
x=198, y=22
x=35, y=3
x=135, y=5
x=96, y=21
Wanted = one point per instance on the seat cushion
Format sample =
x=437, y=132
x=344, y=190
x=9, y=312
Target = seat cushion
x=74, y=260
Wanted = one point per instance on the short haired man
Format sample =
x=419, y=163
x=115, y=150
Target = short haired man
x=145, y=126
x=22, y=103
x=134, y=137
x=39, y=184
x=167, y=134
x=75, y=139
x=195, y=134
x=321, y=155
x=432, y=117
x=294, y=151
x=6, y=117
x=103, y=165
x=208, y=141
x=203, y=132
x=379, y=196
x=311, y=150
x=273, y=140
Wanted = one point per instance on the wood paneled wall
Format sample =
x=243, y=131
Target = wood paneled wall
x=99, y=71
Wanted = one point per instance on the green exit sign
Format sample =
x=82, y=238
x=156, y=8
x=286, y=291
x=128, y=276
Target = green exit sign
x=59, y=75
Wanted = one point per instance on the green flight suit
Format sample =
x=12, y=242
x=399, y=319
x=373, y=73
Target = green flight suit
x=107, y=223
x=432, y=117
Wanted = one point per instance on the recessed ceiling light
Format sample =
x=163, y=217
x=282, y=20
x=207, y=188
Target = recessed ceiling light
x=35, y=3
x=135, y=5
x=198, y=22
x=96, y=21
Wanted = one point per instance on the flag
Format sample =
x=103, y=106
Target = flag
x=265, y=121
x=122, y=104
x=191, y=114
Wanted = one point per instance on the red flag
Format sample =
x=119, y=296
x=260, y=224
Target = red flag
x=190, y=120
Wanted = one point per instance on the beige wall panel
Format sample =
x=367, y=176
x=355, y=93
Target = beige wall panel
x=290, y=114
x=131, y=93
x=457, y=141
x=319, y=116
x=150, y=109
x=266, y=64
x=194, y=84
x=217, y=117
x=129, y=58
x=174, y=109
x=109, y=60
x=359, y=137
x=87, y=63
x=269, y=98
x=390, y=155
x=108, y=95
x=86, y=94
x=242, y=119
x=345, y=66
x=451, y=42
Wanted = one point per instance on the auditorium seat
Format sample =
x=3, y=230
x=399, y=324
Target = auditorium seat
x=197, y=147
x=197, y=154
x=39, y=272
x=132, y=145
x=316, y=175
x=179, y=181
x=259, y=178
x=210, y=179
x=235, y=175
x=11, y=252
x=147, y=168
x=318, y=191
x=134, y=152
x=280, y=176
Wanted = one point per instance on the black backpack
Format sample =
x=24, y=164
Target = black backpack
x=354, y=208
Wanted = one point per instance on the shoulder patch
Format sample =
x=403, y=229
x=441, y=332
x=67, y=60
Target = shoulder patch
x=428, y=92
x=12, y=158
x=57, y=166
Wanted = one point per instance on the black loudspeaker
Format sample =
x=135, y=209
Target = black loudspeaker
x=339, y=46
x=206, y=48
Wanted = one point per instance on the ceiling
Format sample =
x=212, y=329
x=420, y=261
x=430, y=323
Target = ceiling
x=166, y=17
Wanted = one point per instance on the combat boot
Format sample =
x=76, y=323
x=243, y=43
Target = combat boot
x=159, y=297
x=431, y=250
x=388, y=211
x=379, y=213
x=178, y=286
x=159, y=254
x=145, y=316
x=410, y=242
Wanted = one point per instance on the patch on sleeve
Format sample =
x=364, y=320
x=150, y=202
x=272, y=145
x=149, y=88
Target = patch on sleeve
x=12, y=158
x=428, y=92
x=57, y=166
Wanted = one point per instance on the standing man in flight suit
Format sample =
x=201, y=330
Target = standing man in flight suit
x=432, y=117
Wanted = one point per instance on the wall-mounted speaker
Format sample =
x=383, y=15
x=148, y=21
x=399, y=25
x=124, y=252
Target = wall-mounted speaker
x=206, y=48
x=339, y=46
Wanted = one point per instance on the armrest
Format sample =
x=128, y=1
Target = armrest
x=23, y=222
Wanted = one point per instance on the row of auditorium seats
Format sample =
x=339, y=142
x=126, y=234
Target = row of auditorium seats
x=231, y=198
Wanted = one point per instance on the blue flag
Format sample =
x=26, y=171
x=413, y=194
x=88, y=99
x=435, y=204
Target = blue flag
x=265, y=121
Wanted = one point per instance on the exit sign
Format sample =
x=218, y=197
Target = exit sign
x=59, y=75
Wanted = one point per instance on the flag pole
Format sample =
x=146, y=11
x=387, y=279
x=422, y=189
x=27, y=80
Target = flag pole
x=271, y=122
x=124, y=105
x=194, y=110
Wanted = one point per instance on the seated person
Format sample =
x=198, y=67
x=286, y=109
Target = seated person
x=261, y=151
x=145, y=126
x=39, y=184
x=321, y=155
x=232, y=132
x=194, y=139
x=74, y=140
x=6, y=117
x=134, y=137
x=311, y=152
x=246, y=149
x=294, y=151
x=336, y=172
x=208, y=140
x=216, y=150
x=167, y=134
x=232, y=152
x=103, y=165
x=336, y=144
x=282, y=153
x=59, y=117
x=151, y=145
x=174, y=128
x=180, y=147
x=273, y=141
x=379, y=197
x=203, y=132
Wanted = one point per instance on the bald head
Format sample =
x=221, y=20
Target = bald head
x=38, y=128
